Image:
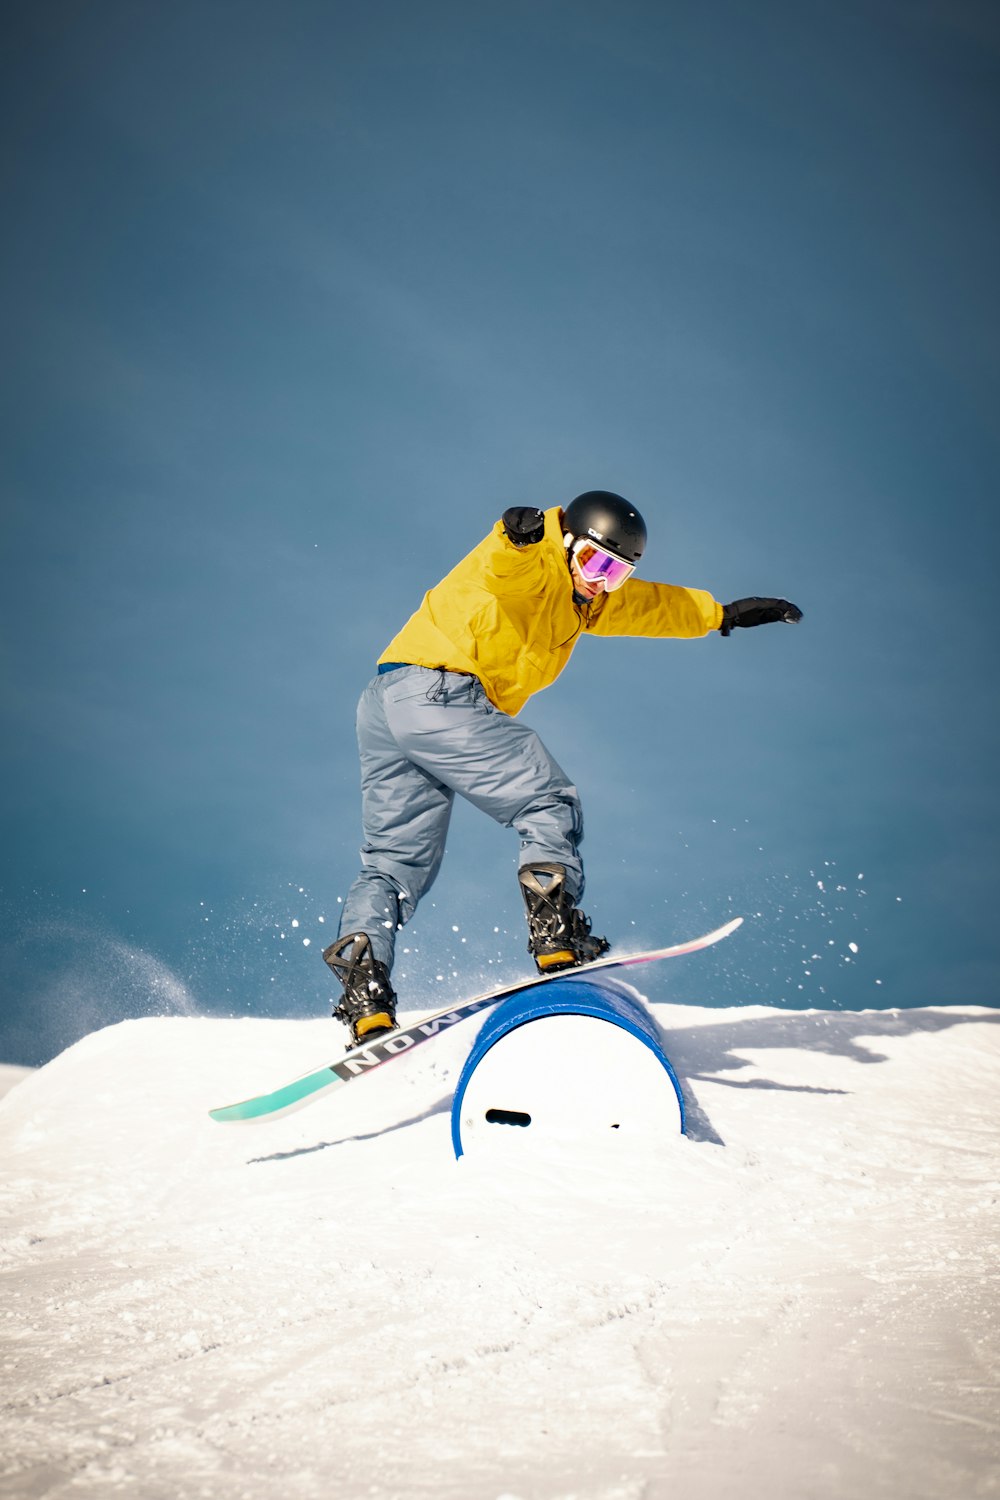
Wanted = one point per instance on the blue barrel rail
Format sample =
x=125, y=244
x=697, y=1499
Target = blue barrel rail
x=598, y=995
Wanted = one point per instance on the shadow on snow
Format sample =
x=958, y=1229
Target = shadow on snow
x=706, y=1052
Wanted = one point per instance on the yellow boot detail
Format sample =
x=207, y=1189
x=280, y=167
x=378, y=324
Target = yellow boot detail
x=380, y=1021
x=556, y=960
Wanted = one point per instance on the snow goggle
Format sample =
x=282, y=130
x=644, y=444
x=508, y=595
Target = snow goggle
x=598, y=566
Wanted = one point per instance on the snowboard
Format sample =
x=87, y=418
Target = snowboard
x=361, y=1060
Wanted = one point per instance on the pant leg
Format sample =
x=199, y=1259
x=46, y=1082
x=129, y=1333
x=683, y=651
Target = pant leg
x=405, y=814
x=445, y=725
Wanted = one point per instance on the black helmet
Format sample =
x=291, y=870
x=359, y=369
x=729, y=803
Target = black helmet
x=610, y=521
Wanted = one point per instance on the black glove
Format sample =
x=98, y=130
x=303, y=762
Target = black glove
x=523, y=524
x=758, y=612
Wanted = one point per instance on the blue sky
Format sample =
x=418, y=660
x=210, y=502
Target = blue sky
x=299, y=298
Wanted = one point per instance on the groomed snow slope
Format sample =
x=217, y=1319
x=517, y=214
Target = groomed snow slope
x=798, y=1300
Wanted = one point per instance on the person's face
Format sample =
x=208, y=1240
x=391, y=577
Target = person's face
x=580, y=584
x=595, y=570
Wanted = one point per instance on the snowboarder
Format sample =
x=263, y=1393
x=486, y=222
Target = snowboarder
x=440, y=717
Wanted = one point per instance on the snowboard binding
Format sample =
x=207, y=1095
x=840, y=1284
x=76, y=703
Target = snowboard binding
x=369, y=1003
x=559, y=935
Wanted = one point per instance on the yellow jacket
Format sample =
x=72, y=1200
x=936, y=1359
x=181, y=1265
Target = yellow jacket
x=507, y=615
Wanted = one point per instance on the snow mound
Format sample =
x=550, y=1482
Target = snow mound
x=10, y=1075
x=802, y=1290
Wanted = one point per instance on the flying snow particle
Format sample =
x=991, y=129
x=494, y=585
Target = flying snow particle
x=853, y=947
x=306, y=942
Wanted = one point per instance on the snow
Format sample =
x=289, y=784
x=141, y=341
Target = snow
x=10, y=1074
x=798, y=1299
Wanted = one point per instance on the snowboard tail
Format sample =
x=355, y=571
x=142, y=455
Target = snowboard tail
x=362, y=1059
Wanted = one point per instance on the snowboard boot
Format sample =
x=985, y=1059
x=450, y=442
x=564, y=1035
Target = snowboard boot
x=369, y=1003
x=559, y=935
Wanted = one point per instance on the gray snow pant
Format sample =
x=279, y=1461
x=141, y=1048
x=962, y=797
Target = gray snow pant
x=424, y=735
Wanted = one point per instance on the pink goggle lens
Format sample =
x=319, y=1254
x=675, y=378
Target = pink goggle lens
x=598, y=566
